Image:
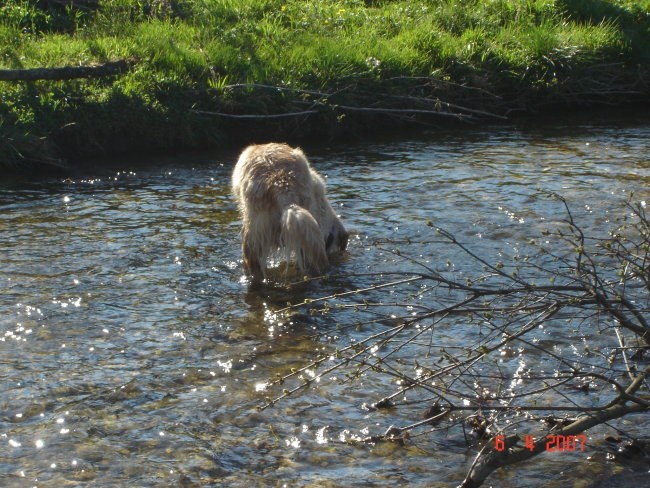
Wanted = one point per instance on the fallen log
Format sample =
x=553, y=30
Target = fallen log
x=68, y=72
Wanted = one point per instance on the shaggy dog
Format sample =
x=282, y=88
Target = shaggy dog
x=283, y=206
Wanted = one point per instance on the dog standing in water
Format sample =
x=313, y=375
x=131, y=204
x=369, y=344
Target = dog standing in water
x=283, y=205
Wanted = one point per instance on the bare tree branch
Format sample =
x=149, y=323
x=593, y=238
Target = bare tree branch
x=108, y=68
x=575, y=285
x=489, y=461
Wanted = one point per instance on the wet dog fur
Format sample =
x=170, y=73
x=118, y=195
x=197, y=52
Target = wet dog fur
x=283, y=206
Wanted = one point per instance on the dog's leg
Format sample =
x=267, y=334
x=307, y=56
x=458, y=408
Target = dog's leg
x=252, y=263
x=301, y=234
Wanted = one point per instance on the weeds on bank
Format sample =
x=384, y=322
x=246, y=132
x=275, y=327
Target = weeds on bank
x=191, y=51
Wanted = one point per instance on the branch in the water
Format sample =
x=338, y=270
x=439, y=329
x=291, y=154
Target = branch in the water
x=489, y=461
x=573, y=278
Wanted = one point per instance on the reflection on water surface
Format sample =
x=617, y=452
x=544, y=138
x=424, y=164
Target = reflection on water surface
x=132, y=353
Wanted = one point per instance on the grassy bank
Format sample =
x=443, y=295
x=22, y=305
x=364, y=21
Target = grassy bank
x=219, y=72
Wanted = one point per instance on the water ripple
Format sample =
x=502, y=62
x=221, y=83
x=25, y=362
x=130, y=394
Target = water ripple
x=131, y=352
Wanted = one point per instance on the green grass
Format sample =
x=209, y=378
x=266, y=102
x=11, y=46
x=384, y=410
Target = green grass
x=355, y=53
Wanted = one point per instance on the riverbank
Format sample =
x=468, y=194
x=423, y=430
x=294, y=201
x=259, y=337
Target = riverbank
x=205, y=73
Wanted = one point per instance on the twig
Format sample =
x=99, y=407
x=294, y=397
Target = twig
x=257, y=116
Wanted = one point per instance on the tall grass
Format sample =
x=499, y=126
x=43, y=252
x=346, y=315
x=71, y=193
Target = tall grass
x=192, y=51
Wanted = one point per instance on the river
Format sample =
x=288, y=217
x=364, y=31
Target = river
x=132, y=351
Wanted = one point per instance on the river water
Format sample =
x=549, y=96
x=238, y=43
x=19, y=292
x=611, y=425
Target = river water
x=132, y=351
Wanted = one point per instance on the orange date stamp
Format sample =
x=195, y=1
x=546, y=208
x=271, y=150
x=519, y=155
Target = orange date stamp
x=554, y=443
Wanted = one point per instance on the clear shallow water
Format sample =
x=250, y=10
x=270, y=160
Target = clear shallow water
x=131, y=350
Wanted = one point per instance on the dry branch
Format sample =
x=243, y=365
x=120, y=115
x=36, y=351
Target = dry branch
x=597, y=285
x=257, y=116
x=413, y=97
x=81, y=4
x=488, y=462
x=108, y=68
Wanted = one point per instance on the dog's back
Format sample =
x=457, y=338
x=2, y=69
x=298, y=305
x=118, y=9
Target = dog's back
x=283, y=205
x=271, y=175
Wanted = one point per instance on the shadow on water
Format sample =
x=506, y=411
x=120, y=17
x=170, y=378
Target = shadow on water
x=133, y=353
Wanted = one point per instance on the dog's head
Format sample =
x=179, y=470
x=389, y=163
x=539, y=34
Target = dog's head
x=332, y=230
x=337, y=238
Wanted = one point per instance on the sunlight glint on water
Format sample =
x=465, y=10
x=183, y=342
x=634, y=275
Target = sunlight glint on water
x=132, y=353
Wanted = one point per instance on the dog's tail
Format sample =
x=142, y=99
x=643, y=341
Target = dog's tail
x=301, y=235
